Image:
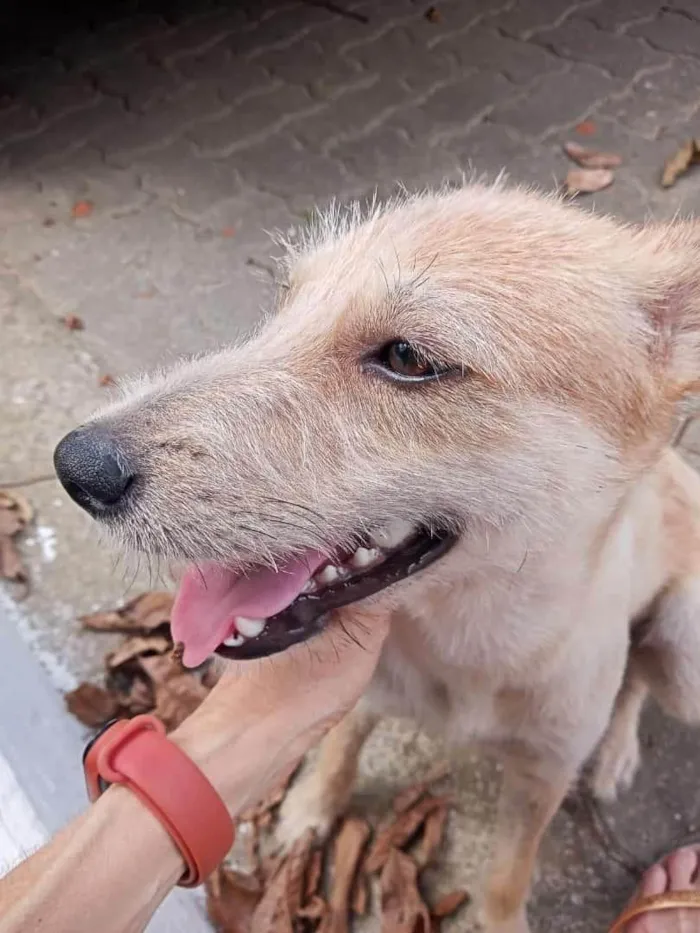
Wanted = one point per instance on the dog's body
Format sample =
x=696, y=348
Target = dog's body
x=564, y=343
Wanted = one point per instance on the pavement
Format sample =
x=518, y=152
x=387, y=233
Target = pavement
x=144, y=152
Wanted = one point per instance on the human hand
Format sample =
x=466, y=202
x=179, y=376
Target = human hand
x=264, y=715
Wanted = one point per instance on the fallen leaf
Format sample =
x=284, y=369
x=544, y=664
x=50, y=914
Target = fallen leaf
x=429, y=842
x=49, y=222
x=144, y=614
x=274, y=913
x=73, y=322
x=15, y=513
x=135, y=647
x=586, y=128
x=228, y=232
x=91, y=704
x=11, y=565
x=347, y=850
x=400, y=831
x=313, y=874
x=433, y=15
x=403, y=908
x=588, y=180
x=106, y=380
x=591, y=158
x=82, y=209
x=177, y=694
x=231, y=900
x=360, y=896
x=679, y=163
x=410, y=795
x=448, y=904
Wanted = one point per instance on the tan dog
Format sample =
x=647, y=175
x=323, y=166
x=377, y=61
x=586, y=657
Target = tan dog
x=459, y=416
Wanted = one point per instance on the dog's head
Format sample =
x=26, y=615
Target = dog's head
x=484, y=358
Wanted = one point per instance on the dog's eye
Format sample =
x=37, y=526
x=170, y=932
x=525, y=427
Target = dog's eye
x=402, y=361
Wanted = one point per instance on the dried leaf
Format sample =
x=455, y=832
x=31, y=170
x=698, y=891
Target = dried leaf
x=679, y=163
x=15, y=502
x=450, y=903
x=106, y=380
x=143, y=614
x=433, y=15
x=136, y=647
x=360, y=896
x=591, y=158
x=433, y=830
x=82, y=209
x=91, y=704
x=400, y=831
x=586, y=128
x=274, y=914
x=11, y=565
x=315, y=909
x=349, y=844
x=410, y=795
x=588, y=180
x=231, y=900
x=403, y=909
x=313, y=874
x=73, y=322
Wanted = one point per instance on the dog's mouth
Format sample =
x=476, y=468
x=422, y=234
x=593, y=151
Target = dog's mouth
x=243, y=616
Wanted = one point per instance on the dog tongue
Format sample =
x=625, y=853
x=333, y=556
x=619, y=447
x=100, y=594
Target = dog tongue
x=211, y=596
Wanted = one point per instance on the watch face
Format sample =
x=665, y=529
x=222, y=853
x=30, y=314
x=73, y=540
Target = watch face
x=103, y=785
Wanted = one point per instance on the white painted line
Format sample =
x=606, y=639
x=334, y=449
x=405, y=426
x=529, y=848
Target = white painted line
x=21, y=830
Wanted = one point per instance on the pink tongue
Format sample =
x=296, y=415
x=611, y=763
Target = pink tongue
x=211, y=596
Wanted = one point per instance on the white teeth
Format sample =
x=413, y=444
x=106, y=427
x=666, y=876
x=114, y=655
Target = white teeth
x=250, y=628
x=234, y=641
x=329, y=574
x=393, y=535
x=309, y=587
x=363, y=557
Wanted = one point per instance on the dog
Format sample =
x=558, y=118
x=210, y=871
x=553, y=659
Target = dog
x=459, y=415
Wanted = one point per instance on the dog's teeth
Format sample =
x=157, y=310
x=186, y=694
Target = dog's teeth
x=234, y=641
x=309, y=587
x=329, y=574
x=363, y=557
x=393, y=535
x=250, y=628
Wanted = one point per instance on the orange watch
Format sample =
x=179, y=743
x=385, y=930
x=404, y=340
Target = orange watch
x=137, y=753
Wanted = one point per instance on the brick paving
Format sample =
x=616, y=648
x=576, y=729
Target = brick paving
x=195, y=129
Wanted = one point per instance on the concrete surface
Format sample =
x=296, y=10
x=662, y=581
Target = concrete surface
x=194, y=127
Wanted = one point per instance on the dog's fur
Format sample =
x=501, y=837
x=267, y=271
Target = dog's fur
x=575, y=586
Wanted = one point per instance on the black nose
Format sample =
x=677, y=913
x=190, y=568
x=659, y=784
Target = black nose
x=92, y=468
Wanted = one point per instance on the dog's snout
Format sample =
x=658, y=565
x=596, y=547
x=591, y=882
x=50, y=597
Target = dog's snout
x=92, y=468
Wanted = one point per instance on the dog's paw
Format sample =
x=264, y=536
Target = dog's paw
x=307, y=806
x=616, y=766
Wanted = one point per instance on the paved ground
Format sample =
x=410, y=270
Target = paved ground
x=191, y=131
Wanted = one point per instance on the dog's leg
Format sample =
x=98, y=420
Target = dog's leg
x=618, y=755
x=533, y=789
x=323, y=791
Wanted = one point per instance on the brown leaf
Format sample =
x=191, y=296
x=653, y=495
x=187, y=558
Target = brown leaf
x=433, y=830
x=410, y=795
x=360, y=896
x=91, y=704
x=82, y=209
x=231, y=900
x=591, y=158
x=11, y=565
x=177, y=694
x=73, y=322
x=349, y=844
x=588, y=180
x=135, y=647
x=403, y=909
x=314, y=910
x=106, y=380
x=15, y=502
x=313, y=874
x=400, y=831
x=679, y=163
x=433, y=15
x=450, y=903
x=274, y=912
x=586, y=128
x=143, y=614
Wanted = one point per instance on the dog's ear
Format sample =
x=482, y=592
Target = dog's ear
x=669, y=264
